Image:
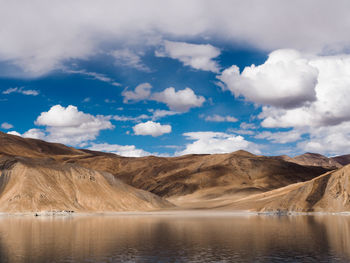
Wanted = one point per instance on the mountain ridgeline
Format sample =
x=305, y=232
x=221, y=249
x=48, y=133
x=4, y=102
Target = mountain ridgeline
x=40, y=176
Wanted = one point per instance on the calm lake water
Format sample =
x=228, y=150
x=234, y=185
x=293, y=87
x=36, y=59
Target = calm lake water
x=155, y=238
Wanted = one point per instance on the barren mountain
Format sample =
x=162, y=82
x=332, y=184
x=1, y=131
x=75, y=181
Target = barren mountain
x=312, y=159
x=329, y=192
x=193, y=180
x=37, y=175
x=26, y=147
x=342, y=159
x=32, y=185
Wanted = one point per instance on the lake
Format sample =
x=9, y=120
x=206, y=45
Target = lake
x=175, y=238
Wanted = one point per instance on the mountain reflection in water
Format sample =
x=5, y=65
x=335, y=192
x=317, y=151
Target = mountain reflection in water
x=155, y=238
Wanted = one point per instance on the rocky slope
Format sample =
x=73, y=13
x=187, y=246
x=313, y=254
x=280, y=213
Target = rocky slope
x=329, y=192
x=37, y=175
x=342, y=159
x=313, y=159
x=33, y=185
x=194, y=181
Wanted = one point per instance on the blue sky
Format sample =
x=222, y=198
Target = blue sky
x=179, y=78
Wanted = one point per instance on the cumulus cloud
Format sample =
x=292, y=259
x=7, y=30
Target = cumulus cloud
x=285, y=80
x=197, y=56
x=331, y=140
x=21, y=90
x=141, y=92
x=216, y=142
x=6, y=126
x=315, y=105
x=70, y=30
x=151, y=128
x=330, y=107
x=127, y=57
x=219, y=118
x=181, y=100
x=68, y=125
x=123, y=150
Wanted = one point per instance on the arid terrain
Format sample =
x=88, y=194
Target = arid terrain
x=39, y=176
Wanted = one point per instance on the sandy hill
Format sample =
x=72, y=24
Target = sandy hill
x=28, y=185
x=313, y=159
x=39, y=175
x=201, y=178
x=329, y=192
x=342, y=159
x=18, y=146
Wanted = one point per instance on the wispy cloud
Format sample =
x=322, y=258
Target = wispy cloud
x=93, y=75
x=129, y=58
x=21, y=90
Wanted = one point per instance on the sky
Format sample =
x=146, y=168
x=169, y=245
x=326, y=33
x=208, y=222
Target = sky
x=168, y=78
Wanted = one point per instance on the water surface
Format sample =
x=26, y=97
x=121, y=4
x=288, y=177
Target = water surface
x=161, y=238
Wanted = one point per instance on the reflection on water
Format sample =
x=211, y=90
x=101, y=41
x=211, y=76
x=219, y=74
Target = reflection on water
x=176, y=239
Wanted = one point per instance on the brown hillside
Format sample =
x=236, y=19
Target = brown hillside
x=315, y=159
x=18, y=146
x=207, y=176
x=29, y=185
x=327, y=193
x=342, y=159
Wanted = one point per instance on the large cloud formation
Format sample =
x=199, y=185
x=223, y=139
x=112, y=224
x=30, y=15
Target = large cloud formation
x=42, y=35
x=68, y=125
x=299, y=91
x=285, y=80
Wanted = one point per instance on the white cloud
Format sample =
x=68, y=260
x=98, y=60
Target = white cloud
x=68, y=125
x=151, y=128
x=245, y=125
x=321, y=116
x=123, y=150
x=285, y=80
x=216, y=142
x=333, y=140
x=21, y=90
x=35, y=134
x=280, y=137
x=141, y=92
x=157, y=114
x=219, y=118
x=127, y=57
x=193, y=55
x=6, y=126
x=181, y=100
x=94, y=75
x=14, y=133
x=331, y=106
x=128, y=118
x=70, y=30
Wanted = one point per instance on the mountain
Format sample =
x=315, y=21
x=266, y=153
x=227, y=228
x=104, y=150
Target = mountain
x=37, y=175
x=197, y=179
x=312, y=159
x=329, y=192
x=315, y=159
x=32, y=185
x=26, y=147
x=342, y=159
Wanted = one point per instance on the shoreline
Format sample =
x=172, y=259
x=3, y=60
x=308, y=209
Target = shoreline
x=168, y=213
